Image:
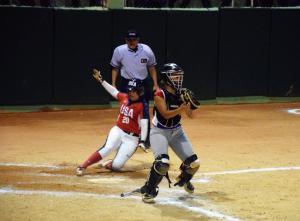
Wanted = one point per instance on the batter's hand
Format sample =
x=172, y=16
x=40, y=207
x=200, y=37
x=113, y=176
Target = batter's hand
x=97, y=75
x=143, y=146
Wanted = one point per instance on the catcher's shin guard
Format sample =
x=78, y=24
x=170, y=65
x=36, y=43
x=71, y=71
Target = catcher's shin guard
x=158, y=170
x=188, y=168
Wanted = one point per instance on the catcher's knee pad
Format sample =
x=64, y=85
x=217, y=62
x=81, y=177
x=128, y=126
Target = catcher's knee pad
x=191, y=164
x=188, y=168
x=161, y=164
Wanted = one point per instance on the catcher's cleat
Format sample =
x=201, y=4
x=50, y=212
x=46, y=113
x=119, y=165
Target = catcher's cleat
x=148, y=195
x=189, y=187
x=148, y=198
x=80, y=171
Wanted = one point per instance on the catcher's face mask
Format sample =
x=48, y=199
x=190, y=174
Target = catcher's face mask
x=176, y=78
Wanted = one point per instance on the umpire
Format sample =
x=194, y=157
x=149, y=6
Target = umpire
x=134, y=60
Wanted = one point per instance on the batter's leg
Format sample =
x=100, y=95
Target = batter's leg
x=113, y=141
x=125, y=152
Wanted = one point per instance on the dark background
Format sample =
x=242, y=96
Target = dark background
x=47, y=54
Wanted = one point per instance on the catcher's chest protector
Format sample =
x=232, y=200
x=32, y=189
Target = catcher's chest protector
x=173, y=102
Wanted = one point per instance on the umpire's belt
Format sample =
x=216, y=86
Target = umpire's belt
x=131, y=133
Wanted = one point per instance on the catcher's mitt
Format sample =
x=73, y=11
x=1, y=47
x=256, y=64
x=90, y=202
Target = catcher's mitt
x=187, y=96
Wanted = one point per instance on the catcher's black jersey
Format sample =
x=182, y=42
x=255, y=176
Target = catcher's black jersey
x=173, y=102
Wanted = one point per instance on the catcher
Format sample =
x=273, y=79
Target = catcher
x=169, y=103
x=130, y=130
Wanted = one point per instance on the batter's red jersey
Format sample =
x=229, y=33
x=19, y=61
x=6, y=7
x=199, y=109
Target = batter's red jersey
x=130, y=114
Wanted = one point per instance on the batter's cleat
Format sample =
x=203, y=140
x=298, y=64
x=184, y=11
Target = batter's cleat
x=189, y=187
x=80, y=171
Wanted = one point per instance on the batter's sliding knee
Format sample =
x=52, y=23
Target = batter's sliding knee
x=161, y=164
x=188, y=168
x=116, y=166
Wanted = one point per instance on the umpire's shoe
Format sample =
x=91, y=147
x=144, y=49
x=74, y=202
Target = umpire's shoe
x=189, y=187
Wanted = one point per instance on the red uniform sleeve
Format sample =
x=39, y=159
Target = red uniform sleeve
x=122, y=97
x=159, y=93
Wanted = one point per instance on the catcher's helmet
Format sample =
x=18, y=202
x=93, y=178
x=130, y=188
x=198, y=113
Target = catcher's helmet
x=135, y=85
x=172, y=75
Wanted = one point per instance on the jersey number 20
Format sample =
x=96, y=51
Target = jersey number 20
x=125, y=120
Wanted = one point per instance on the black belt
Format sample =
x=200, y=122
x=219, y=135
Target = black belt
x=132, y=134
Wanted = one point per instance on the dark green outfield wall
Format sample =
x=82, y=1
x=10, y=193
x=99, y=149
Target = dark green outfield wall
x=46, y=55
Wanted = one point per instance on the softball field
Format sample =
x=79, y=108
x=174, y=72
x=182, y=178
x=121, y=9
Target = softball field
x=250, y=167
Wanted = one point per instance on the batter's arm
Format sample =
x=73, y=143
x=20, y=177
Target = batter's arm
x=153, y=75
x=109, y=88
x=163, y=110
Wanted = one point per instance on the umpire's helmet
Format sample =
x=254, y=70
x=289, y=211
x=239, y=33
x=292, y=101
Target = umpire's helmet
x=172, y=75
x=135, y=85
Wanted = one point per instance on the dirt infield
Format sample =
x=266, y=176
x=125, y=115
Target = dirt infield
x=250, y=167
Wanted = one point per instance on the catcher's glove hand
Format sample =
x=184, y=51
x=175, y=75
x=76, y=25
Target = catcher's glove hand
x=187, y=96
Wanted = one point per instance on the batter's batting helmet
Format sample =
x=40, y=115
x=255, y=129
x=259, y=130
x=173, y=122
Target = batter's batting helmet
x=135, y=85
x=172, y=74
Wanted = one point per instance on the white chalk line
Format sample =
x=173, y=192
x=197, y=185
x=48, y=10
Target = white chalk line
x=293, y=111
x=201, y=180
x=30, y=165
x=257, y=170
x=159, y=200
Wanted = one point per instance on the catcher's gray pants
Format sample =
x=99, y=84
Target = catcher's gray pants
x=160, y=139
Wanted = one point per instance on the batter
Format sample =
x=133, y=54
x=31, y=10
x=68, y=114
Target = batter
x=130, y=130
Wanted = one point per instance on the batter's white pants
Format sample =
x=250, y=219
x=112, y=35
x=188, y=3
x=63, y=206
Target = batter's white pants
x=123, y=143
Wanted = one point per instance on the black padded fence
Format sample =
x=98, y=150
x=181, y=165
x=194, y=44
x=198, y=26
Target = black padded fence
x=192, y=42
x=26, y=51
x=285, y=53
x=82, y=42
x=243, y=52
x=47, y=54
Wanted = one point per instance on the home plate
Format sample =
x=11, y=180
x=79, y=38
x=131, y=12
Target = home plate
x=106, y=180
